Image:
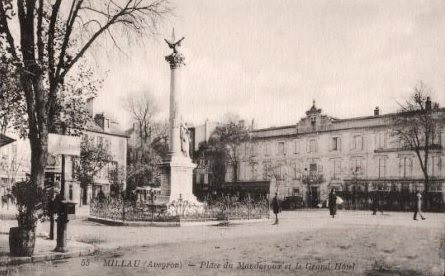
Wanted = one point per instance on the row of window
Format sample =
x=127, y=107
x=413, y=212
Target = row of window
x=335, y=144
x=356, y=167
x=98, y=141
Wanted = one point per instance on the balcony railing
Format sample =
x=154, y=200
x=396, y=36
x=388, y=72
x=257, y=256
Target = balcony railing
x=312, y=178
x=433, y=147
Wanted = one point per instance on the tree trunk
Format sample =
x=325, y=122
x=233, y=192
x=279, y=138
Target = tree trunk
x=426, y=201
x=235, y=171
x=38, y=126
x=39, y=155
x=85, y=194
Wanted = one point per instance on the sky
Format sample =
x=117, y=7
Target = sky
x=268, y=60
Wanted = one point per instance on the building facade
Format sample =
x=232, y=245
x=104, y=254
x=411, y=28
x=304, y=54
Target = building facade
x=15, y=161
x=321, y=153
x=102, y=131
x=201, y=175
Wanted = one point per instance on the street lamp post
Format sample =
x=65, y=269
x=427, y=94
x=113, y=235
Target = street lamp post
x=62, y=218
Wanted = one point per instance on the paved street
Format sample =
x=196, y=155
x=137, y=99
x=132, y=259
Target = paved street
x=305, y=242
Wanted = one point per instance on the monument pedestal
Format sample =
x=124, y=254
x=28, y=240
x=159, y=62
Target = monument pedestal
x=177, y=180
x=177, y=171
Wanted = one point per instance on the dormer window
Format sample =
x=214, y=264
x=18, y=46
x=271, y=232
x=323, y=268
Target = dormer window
x=313, y=121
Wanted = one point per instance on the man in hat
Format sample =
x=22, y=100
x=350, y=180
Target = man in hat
x=276, y=207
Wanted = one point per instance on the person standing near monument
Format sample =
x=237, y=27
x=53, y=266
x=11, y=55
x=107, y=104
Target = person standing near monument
x=418, y=207
x=275, y=207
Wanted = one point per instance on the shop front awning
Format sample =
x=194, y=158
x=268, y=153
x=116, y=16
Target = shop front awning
x=247, y=186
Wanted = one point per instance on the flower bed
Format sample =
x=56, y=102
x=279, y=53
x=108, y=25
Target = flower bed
x=220, y=209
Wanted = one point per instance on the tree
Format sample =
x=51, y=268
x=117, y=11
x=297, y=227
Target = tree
x=149, y=146
x=116, y=178
x=224, y=144
x=417, y=127
x=51, y=44
x=93, y=158
x=277, y=171
x=212, y=160
x=143, y=109
x=12, y=105
x=143, y=173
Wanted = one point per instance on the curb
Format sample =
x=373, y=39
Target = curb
x=171, y=223
x=13, y=261
x=133, y=223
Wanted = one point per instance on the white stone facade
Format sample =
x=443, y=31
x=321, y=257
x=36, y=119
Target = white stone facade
x=321, y=152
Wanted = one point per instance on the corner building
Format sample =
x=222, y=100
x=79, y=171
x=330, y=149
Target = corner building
x=356, y=155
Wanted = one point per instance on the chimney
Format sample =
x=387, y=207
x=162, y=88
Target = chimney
x=90, y=107
x=100, y=120
x=428, y=104
x=376, y=111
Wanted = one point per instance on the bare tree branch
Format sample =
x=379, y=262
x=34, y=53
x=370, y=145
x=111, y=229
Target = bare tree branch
x=5, y=8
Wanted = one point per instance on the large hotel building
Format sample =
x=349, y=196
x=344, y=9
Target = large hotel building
x=321, y=152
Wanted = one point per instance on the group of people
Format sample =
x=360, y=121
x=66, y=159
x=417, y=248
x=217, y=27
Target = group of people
x=333, y=200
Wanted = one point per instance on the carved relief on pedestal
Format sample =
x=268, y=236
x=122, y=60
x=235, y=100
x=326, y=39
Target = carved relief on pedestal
x=185, y=141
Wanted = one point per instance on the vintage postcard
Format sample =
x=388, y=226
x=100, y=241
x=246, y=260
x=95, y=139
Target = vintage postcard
x=211, y=137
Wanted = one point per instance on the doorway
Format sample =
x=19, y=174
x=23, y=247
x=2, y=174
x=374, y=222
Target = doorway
x=314, y=196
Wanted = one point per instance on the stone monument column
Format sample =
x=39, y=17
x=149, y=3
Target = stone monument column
x=176, y=61
x=177, y=170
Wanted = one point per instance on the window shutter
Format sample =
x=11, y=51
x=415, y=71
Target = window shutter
x=296, y=146
x=385, y=139
x=401, y=166
x=376, y=141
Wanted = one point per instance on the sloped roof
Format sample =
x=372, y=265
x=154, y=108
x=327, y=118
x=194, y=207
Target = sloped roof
x=92, y=126
x=4, y=140
x=335, y=124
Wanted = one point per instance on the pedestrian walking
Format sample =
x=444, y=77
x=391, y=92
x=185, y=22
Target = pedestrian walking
x=418, y=207
x=332, y=203
x=376, y=203
x=276, y=207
